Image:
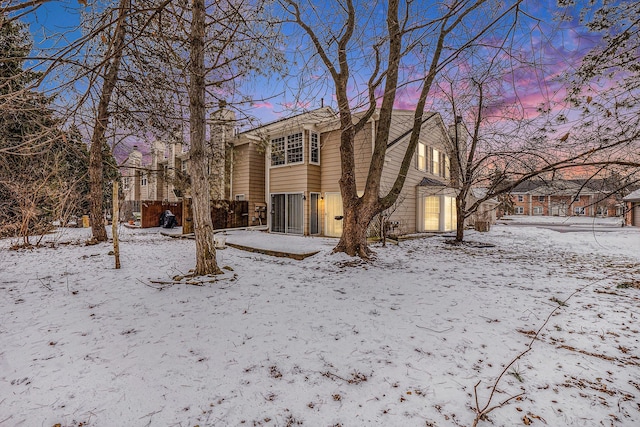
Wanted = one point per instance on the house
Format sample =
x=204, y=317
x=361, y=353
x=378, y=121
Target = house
x=289, y=172
x=153, y=182
x=632, y=211
x=560, y=197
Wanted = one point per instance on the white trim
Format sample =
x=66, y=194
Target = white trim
x=286, y=141
x=317, y=134
x=286, y=223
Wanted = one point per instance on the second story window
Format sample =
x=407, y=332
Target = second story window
x=422, y=157
x=520, y=198
x=314, y=148
x=143, y=180
x=435, y=162
x=287, y=150
x=277, y=151
x=295, y=148
x=447, y=167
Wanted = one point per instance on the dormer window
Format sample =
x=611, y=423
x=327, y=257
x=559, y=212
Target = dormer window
x=287, y=150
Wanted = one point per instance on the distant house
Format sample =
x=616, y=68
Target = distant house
x=632, y=211
x=565, y=198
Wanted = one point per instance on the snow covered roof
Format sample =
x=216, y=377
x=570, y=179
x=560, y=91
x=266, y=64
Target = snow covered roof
x=633, y=196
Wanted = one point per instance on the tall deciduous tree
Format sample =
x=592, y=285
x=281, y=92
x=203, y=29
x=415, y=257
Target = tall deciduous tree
x=109, y=71
x=190, y=59
x=415, y=42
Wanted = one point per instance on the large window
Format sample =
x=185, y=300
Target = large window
x=287, y=150
x=287, y=213
x=422, y=157
x=450, y=213
x=519, y=210
x=432, y=213
x=295, y=148
x=537, y=210
x=314, y=148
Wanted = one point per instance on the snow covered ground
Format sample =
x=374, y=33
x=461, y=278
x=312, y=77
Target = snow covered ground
x=327, y=341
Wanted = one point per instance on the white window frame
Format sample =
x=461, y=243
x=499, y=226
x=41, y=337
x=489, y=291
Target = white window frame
x=520, y=198
x=239, y=197
x=579, y=211
x=288, y=221
x=541, y=198
x=421, y=162
x=447, y=167
x=538, y=210
x=435, y=162
x=279, y=155
x=519, y=210
x=289, y=146
x=314, y=147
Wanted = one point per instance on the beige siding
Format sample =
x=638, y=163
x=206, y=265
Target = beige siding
x=288, y=179
x=248, y=178
x=257, y=176
x=330, y=159
x=241, y=171
x=405, y=209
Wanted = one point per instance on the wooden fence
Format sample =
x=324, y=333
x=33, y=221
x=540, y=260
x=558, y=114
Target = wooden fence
x=224, y=214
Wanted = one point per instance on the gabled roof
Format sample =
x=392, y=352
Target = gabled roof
x=316, y=116
x=526, y=187
x=633, y=197
x=430, y=182
x=428, y=117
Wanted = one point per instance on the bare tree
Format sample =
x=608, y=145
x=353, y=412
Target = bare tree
x=189, y=60
x=413, y=37
x=113, y=58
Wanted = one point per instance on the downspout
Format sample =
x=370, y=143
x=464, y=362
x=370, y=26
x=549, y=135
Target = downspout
x=267, y=195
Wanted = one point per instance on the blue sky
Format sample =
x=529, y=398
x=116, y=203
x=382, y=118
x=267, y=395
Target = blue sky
x=559, y=45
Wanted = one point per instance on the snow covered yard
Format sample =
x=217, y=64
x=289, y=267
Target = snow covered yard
x=327, y=341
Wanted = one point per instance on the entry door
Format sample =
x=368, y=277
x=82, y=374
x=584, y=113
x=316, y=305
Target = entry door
x=287, y=213
x=333, y=209
x=314, y=214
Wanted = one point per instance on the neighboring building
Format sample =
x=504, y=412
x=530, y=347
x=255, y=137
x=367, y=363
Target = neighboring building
x=632, y=211
x=289, y=172
x=487, y=211
x=565, y=198
x=155, y=181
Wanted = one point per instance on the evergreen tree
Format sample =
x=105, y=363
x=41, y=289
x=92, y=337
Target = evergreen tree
x=42, y=170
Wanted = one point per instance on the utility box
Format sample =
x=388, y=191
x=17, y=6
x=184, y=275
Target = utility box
x=482, y=226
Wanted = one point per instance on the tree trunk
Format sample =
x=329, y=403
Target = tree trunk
x=96, y=187
x=115, y=219
x=203, y=226
x=354, y=230
x=460, y=209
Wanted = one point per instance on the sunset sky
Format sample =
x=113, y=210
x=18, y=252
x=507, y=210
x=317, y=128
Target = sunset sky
x=555, y=46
